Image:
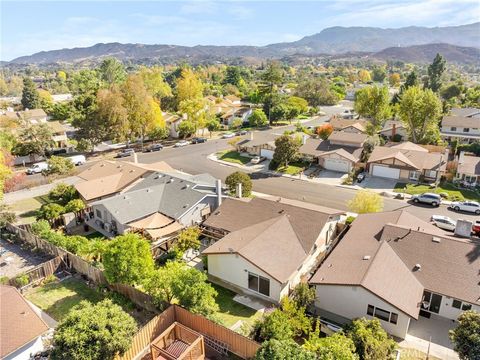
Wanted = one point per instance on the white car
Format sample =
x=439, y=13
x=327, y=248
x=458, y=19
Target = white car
x=37, y=168
x=257, y=159
x=228, y=135
x=444, y=222
x=182, y=143
x=468, y=206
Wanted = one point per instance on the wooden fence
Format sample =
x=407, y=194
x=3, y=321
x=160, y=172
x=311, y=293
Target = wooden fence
x=236, y=343
x=41, y=271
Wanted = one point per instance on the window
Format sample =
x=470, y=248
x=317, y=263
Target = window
x=466, y=130
x=382, y=314
x=466, y=307
x=99, y=213
x=393, y=318
x=453, y=128
x=370, y=309
x=431, y=173
x=259, y=284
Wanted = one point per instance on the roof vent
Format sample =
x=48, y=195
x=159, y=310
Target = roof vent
x=149, y=190
x=230, y=250
x=366, y=257
x=281, y=211
x=417, y=267
x=131, y=171
x=125, y=197
x=171, y=180
x=436, y=239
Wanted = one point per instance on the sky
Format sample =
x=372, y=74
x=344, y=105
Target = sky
x=30, y=27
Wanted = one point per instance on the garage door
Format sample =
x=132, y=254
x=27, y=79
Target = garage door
x=336, y=165
x=386, y=172
x=266, y=153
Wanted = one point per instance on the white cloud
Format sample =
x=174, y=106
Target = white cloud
x=199, y=7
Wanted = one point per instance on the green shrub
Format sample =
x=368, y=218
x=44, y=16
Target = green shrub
x=62, y=194
x=49, y=279
x=349, y=220
x=74, y=205
x=4, y=280
x=50, y=211
x=22, y=280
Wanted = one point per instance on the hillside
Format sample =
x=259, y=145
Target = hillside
x=425, y=53
x=330, y=41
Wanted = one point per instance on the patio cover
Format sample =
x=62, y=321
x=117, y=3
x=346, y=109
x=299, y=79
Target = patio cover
x=154, y=221
x=167, y=230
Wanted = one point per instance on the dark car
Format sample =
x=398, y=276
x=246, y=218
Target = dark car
x=198, y=140
x=125, y=153
x=241, y=132
x=153, y=147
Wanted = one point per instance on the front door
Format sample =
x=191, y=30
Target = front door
x=431, y=302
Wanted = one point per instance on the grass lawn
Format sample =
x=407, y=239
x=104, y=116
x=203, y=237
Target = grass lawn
x=293, y=168
x=233, y=157
x=412, y=354
x=58, y=298
x=26, y=209
x=453, y=192
x=231, y=311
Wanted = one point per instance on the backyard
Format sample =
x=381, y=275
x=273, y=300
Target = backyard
x=233, y=157
x=231, y=311
x=454, y=193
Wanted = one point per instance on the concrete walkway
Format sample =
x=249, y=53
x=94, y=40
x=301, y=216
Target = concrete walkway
x=51, y=322
x=13, y=197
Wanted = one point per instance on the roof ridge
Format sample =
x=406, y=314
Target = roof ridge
x=372, y=260
x=296, y=234
x=271, y=221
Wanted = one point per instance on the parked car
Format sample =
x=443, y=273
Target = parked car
x=78, y=160
x=37, y=168
x=360, y=177
x=444, y=222
x=182, y=143
x=468, y=206
x=228, y=135
x=125, y=153
x=198, y=140
x=241, y=132
x=427, y=198
x=476, y=228
x=153, y=147
x=257, y=159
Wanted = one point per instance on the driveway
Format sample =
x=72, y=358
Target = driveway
x=378, y=184
x=330, y=177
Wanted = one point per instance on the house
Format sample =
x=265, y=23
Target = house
x=106, y=178
x=33, y=116
x=267, y=247
x=401, y=270
x=258, y=143
x=468, y=168
x=463, y=124
x=348, y=125
x=407, y=162
x=229, y=108
x=21, y=328
x=173, y=121
x=233, y=113
x=393, y=128
x=342, y=151
x=158, y=205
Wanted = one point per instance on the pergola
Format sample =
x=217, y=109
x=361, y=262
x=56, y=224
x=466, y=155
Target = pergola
x=178, y=342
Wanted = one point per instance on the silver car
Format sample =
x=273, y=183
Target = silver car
x=427, y=198
x=468, y=206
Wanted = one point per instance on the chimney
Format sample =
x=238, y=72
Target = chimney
x=239, y=190
x=461, y=157
x=251, y=135
x=394, y=130
x=219, y=191
x=304, y=139
x=135, y=158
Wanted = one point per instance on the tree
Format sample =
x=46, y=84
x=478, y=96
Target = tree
x=236, y=123
x=299, y=321
x=275, y=325
x=298, y=105
x=112, y=112
x=283, y=349
x=176, y=282
x=466, y=336
x=364, y=76
x=334, y=347
x=394, y=79
x=189, y=86
x=30, y=97
x=324, y=131
x=213, y=125
x=62, y=194
x=45, y=100
x=34, y=139
x=303, y=295
x=74, y=205
x=258, y=118
x=93, y=332
x=112, y=71
x=59, y=166
x=286, y=150
x=155, y=83
x=236, y=178
x=420, y=111
x=366, y=201
x=435, y=72
x=370, y=340
x=316, y=91
x=197, y=111
x=271, y=77
x=85, y=82
x=127, y=260
x=233, y=75
x=50, y=211
x=188, y=238
x=186, y=129
x=3, y=87
x=373, y=103
x=379, y=74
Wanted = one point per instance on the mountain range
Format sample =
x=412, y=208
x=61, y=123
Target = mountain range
x=417, y=44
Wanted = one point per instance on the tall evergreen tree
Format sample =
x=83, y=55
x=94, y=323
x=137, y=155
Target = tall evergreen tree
x=30, y=96
x=435, y=71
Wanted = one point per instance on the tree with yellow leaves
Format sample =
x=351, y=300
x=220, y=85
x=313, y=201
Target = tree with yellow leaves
x=366, y=201
x=189, y=86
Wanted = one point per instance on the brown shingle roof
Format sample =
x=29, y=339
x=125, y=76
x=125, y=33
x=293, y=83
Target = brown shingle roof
x=461, y=121
x=319, y=147
x=470, y=165
x=449, y=267
x=466, y=112
x=348, y=137
x=420, y=160
x=19, y=324
x=340, y=123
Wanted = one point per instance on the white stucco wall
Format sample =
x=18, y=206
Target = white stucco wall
x=448, y=311
x=352, y=301
x=24, y=352
x=194, y=214
x=233, y=269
